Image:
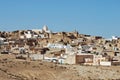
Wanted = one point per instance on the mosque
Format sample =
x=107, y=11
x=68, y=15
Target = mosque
x=43, y=30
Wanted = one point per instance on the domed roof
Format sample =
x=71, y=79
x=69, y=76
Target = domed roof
x=45, y=28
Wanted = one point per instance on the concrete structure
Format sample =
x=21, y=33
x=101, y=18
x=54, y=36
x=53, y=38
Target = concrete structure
x=36, y=57
x=61, y=60
x=55, y=45
x=84, y=59
x=28, y=34
x=114, y=37
x=105, y=63
x=70, y=59
x=97, y=59
x=37, y=30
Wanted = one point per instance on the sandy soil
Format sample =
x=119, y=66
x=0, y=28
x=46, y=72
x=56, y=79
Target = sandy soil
x=14, y=69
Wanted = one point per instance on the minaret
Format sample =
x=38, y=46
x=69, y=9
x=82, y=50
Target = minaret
x=76, y=33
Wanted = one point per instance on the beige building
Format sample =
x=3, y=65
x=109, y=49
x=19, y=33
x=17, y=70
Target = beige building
x=70, y=59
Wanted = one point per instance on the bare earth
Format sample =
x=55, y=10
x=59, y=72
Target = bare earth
x=13, y=69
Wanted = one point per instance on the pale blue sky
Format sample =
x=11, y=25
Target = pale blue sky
x=94, y=17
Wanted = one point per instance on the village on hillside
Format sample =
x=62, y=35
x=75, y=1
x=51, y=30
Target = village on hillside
x=60, y=47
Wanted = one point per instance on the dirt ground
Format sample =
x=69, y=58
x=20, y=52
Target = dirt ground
x=15, y=69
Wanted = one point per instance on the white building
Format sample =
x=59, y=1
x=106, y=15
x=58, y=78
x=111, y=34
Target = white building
x=55, y=45
x=114, y=37
x=28, y=34
x=2, y=39
x=37, y=30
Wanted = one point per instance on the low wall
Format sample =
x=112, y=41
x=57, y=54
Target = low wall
x=105, y=63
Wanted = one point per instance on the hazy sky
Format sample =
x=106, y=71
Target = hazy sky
x=94, y=17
